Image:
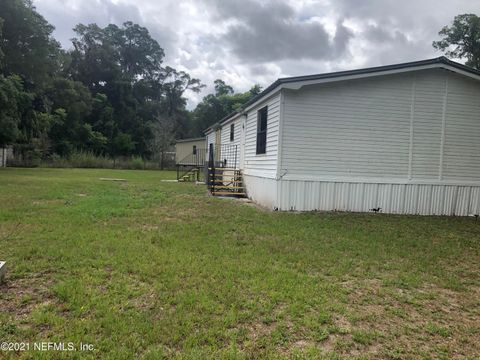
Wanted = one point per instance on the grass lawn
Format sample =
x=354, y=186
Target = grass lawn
x=149, y=269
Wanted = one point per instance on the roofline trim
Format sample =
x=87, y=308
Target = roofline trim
x=297, y=82
x=190, y=139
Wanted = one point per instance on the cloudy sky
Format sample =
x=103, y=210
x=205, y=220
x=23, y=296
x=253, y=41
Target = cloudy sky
x=245, y=42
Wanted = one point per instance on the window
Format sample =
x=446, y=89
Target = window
x=194, y=150
x=232, y=132
x=262, y=130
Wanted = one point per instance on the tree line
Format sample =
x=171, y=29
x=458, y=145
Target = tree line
x=111, y=93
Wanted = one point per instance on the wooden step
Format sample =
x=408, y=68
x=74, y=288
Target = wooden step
x=224, y=169
x=225, y=175
x=223, y=193
x=226, y=181
x=228, y=187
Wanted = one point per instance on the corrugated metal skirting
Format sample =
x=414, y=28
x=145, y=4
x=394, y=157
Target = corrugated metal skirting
x=422, y=199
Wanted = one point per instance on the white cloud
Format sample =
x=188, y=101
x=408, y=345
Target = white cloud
x=257, y=41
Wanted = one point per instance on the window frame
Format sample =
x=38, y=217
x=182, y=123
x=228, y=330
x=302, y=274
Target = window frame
x=232, y=132
x=194, y=150
x=262, y=116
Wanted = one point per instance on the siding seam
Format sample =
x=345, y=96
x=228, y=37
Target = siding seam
x=280, y=134
x=442, y=139
x=412, y=118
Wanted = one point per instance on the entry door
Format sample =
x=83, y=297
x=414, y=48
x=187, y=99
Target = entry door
x=218, y=142
x=243, y=131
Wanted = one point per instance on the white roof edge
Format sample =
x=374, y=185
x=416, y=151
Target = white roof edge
x=230, y=119
x=264, y=98
x=299, y=84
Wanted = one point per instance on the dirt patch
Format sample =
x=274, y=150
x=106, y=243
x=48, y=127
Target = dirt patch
x=149, y=227
x=259, y=329
x=19, y=297
x=48, y=202
x=416, y=320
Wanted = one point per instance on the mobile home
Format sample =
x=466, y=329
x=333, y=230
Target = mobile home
x=400, y=139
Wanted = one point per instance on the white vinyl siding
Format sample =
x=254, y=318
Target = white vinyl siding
x=231, y=149
x=351, y=128
x=427, y=123
x=461, y=160
x=262, y=164
x=397, y=127
x=210, y=139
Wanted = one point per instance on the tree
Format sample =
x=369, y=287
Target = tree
x=10, y=113
x=122, y=145
x=70, y=130
x=221, y=88
x=462, y=39
x=122, y=66
x=215, y=107
x=140, y=56
x=176, y=83
x=163, y=137
x=93, y=58
x=1, y=52
x=101, y=116
x=27, y=44
x=105, y=55
x=110, y=94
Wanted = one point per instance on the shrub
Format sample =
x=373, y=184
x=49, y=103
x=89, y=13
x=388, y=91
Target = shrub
x=137, y=163
x=85, y=159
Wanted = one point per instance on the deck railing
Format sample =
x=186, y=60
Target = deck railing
x=220, y=157
x=196, y=160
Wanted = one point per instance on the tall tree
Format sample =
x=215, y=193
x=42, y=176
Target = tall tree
x=139, y=55
x=122, y=66
x=11, y=93
x=462, y=39
x=1, y=52
x=70, y=131
x=109, y=94
x=29, y=49
x=176, y=83
x=223, y=102
x=221, y=88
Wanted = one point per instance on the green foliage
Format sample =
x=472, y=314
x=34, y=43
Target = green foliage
x=71, y=103
x=123, y=69
x=91, y=160
x=105, y=96
x=1, y=52
x=122, y=144
x=137, y=163
x=462, y=39
x=27, y=44
x=87, y=159
x=10, y=112
x=109, y=95
x=221, y=88
x=215, y=107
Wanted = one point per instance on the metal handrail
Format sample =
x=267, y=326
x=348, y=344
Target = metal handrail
x=197, y=159
x=221, y=156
